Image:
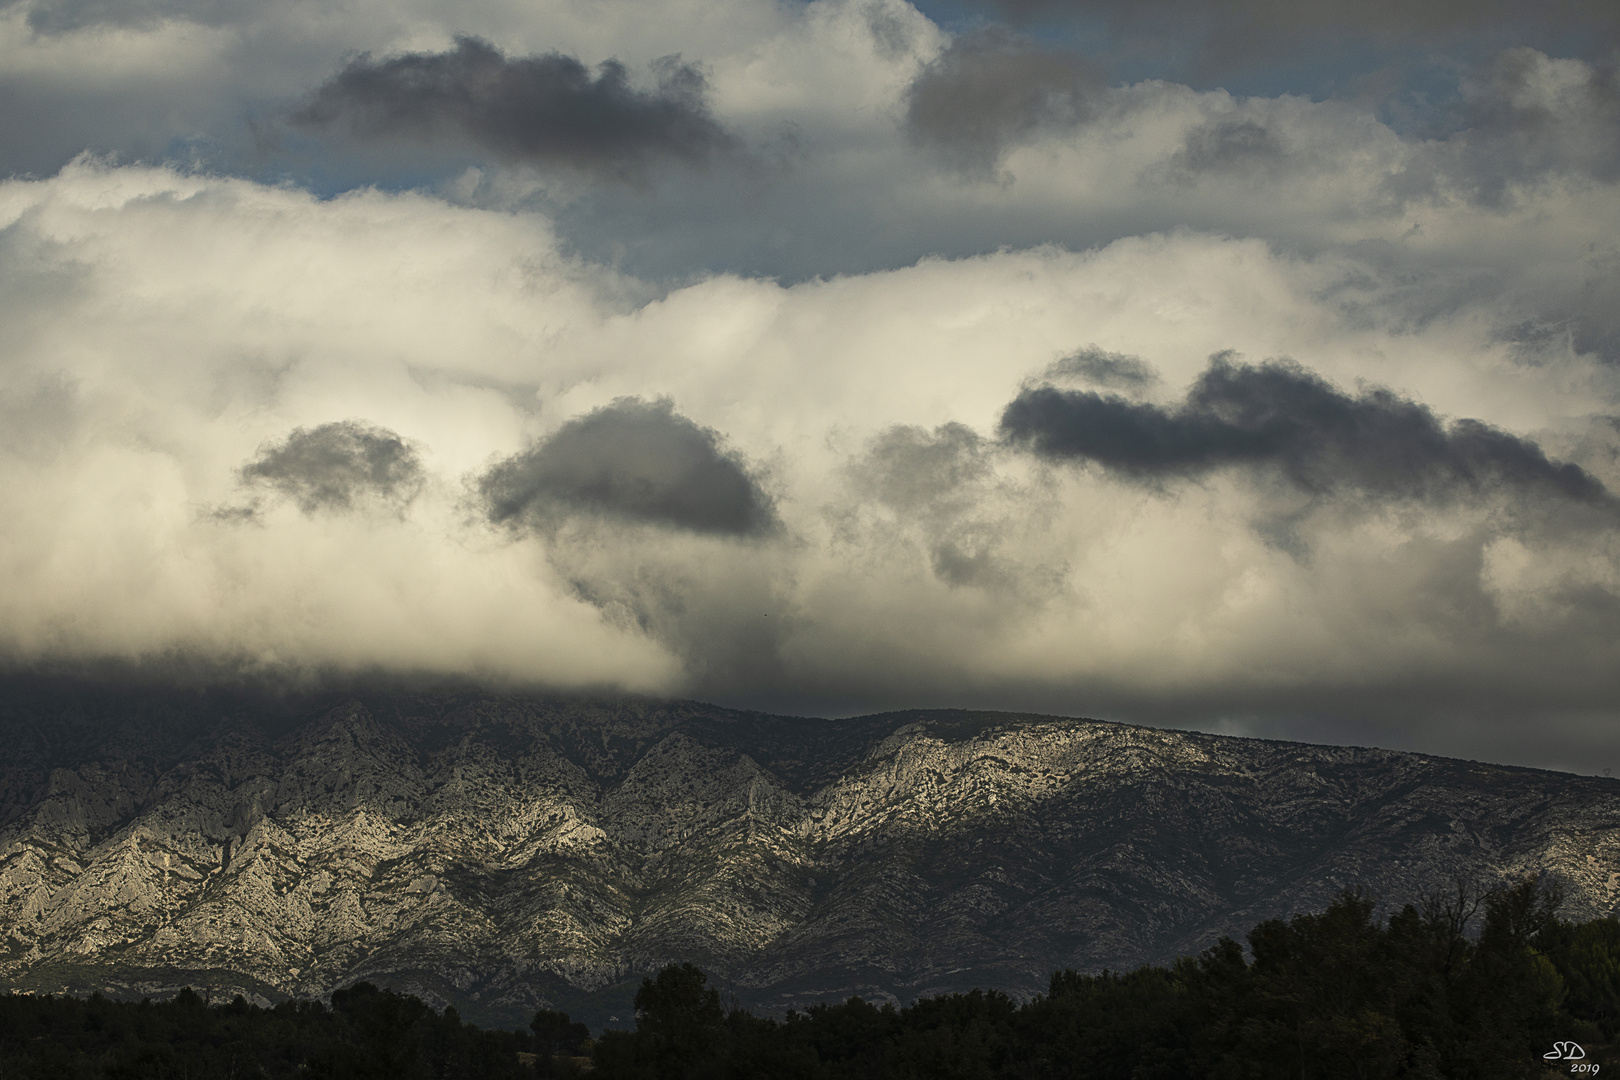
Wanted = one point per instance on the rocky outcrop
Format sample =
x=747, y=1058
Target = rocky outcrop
x=503, y=852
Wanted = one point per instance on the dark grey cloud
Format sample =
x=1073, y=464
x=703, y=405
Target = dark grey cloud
x=335, y=466
x=1278, y=415
x=991, y=88
x=634, y=460
x=546, y=110
x=1114, y=370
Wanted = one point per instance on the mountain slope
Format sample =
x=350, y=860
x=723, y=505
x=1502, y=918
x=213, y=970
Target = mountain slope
x=501, y=852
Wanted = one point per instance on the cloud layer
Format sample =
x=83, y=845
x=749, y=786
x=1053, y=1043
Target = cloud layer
x=819, y=358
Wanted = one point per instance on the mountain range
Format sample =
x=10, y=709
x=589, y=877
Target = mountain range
x=507, y=851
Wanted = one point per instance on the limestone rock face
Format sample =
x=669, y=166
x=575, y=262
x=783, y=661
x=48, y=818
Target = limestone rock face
x=507, y=852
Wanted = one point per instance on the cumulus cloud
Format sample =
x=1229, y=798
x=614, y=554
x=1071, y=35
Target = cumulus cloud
x=163, y=329
x=545, y=110
x=337, y=465
x=1279, y=416
x=744, y=438
x=159, y=365
x=636, y=460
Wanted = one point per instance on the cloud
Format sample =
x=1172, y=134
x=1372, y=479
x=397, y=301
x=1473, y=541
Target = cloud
x=942, y=493
x=854, y=318
x=635, y=460
x=1100, y=368
x=1280, y=416
x=160, y=328
x=544, y=110
x=1235, y=33
x=1239, y=146
x=262, y=310
x=65, y=16
x=1528, y=116
x=909, y=468
x=989, y=89
x=337, y=465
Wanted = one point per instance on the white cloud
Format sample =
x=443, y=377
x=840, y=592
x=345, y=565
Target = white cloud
x=197, y=319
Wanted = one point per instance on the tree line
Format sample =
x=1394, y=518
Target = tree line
x=1468, y=984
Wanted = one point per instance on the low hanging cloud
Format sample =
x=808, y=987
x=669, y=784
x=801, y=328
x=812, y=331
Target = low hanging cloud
x=1279, y=416
x=897, y=553
x=989, y=89
x=546, y=110
x=636, y=461
x=337, y=466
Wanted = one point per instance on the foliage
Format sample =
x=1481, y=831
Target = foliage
x=1467, y=984
x=1475, y=985
x=366, y=1033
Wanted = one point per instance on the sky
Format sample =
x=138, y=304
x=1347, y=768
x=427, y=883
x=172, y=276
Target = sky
x=1251, y=367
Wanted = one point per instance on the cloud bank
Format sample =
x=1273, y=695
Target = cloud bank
x=839, y=491
x=845, y=362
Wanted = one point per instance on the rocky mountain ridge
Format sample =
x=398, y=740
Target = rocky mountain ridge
x=500, y=852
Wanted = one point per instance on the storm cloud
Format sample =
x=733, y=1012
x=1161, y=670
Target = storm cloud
x=545, y=110
x=637, y=461
x=1280, y=416
x=337, y=466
